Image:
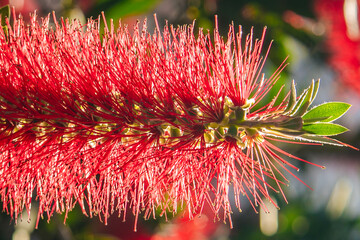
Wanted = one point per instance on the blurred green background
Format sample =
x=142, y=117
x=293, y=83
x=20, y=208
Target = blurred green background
x=322, y=40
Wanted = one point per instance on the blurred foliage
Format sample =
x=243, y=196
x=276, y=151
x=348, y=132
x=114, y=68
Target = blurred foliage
x=298, y=222
x=116, y=9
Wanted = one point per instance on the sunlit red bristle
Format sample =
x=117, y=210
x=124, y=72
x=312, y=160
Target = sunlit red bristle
x=133, y=121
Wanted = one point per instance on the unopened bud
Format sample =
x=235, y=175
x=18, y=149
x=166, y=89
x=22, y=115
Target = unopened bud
x=175, y=132
x=219, y=133
x=214, y=125
x=232, y=131
x=208, y=137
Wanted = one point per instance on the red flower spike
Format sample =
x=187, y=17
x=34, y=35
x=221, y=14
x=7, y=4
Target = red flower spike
x=142, y=122
x=341, y=38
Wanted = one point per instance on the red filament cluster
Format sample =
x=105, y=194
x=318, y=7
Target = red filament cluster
x=146, y=122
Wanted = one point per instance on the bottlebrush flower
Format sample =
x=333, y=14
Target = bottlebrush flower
x=144, y=122
x=342, y=39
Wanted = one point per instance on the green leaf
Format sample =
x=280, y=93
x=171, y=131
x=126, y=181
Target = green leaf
x=315, y=120
x=304, y=101
x=326, y=112
x=315, y=90
x=324, y=129
x=292, y=99
x=5, y=13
